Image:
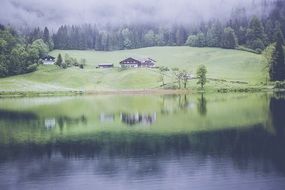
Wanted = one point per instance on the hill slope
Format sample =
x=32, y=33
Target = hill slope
x=230, y=65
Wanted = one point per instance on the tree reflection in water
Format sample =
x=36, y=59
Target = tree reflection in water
x=202, y=105
x=277, y=113
x=251, y=146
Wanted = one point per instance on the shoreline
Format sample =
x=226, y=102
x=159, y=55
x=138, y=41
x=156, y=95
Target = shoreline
x=4, y=94
x=157, y=91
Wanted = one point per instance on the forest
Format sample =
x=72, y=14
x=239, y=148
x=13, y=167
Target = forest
x=252, y=32
x=240, y=31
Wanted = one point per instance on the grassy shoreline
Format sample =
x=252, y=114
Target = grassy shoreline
x=158, y=91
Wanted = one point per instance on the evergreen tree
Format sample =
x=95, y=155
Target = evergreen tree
x=36, y=34
x=229, y=39
x=171, y=37
x=149, y=39
x=255, y=34
x=104, y=40
x=269, y=30
x=277, y=31
x=181, y=36
x=201, y=75
x=277, y=65
x=192, y=41
x=201, y=39
x=127, y=36
x=46, y=36
x=59, y=60
x=214, y=35
x=256, y=29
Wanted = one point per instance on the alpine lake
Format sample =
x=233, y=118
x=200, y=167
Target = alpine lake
x=196, y=141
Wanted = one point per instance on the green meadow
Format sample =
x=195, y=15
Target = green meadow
x=226, y=69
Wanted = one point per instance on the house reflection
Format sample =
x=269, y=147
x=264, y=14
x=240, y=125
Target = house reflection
x=63, y=121
x=107, y=117
x=138, y=118
x=145, y=119
x=50, y=123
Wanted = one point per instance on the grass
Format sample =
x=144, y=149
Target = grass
x=225, y=66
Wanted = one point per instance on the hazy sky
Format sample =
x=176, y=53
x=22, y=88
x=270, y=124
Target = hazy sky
x=55, y=12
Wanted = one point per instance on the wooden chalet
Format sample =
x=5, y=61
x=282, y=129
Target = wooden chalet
x=137, y=62
x=48, y=60
x=105, y=65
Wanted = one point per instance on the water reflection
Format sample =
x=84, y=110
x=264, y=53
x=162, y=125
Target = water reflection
x=185, y=148
x=277, y=113
x=16, y=115
x=50, y=123
x=130, y=119
x=107, y=117
x=29, y=119
x=202, y=105
x=253, y=153
x=144, y=119
x=176, y=103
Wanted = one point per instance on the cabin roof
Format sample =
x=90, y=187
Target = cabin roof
x=138, y=59
x=47, y=57
x=105, y=64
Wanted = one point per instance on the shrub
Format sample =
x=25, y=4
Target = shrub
x=32, y=68
x=279, y=85
x=64, y=65
x=81, y=66
x=170, y=86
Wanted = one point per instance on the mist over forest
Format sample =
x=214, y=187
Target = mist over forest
x=53, y=13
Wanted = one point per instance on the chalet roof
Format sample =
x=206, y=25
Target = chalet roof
x=47, y=57
x=143, y=58
x=128, y=59
x=139, y=59
x=105, y=64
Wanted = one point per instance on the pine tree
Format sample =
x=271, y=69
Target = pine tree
x=149, y=39
x=59, y=60
x=214, y=35
x=229, y=39
x=278, y=31
x=46, y=36
x=256, y=28
x=47, y=39
x=277, y=65
x=181, y=36
x=36, y=34
x=255, y=34
x=269, y=30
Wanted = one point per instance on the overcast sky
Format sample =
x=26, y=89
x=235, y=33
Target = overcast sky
x=56, y=12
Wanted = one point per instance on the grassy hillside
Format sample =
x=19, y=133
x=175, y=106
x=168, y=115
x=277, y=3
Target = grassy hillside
x=229, y=65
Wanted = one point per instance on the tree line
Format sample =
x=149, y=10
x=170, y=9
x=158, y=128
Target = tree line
x=246, y=32
x=16, y=55
x=250, y=33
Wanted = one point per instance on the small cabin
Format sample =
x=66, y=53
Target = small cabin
x=105, y=65
x=137, y=62
x=48, y=60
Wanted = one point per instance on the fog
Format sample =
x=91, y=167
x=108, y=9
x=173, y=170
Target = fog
x=53, y=13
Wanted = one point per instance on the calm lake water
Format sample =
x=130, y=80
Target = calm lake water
x=224, y=141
